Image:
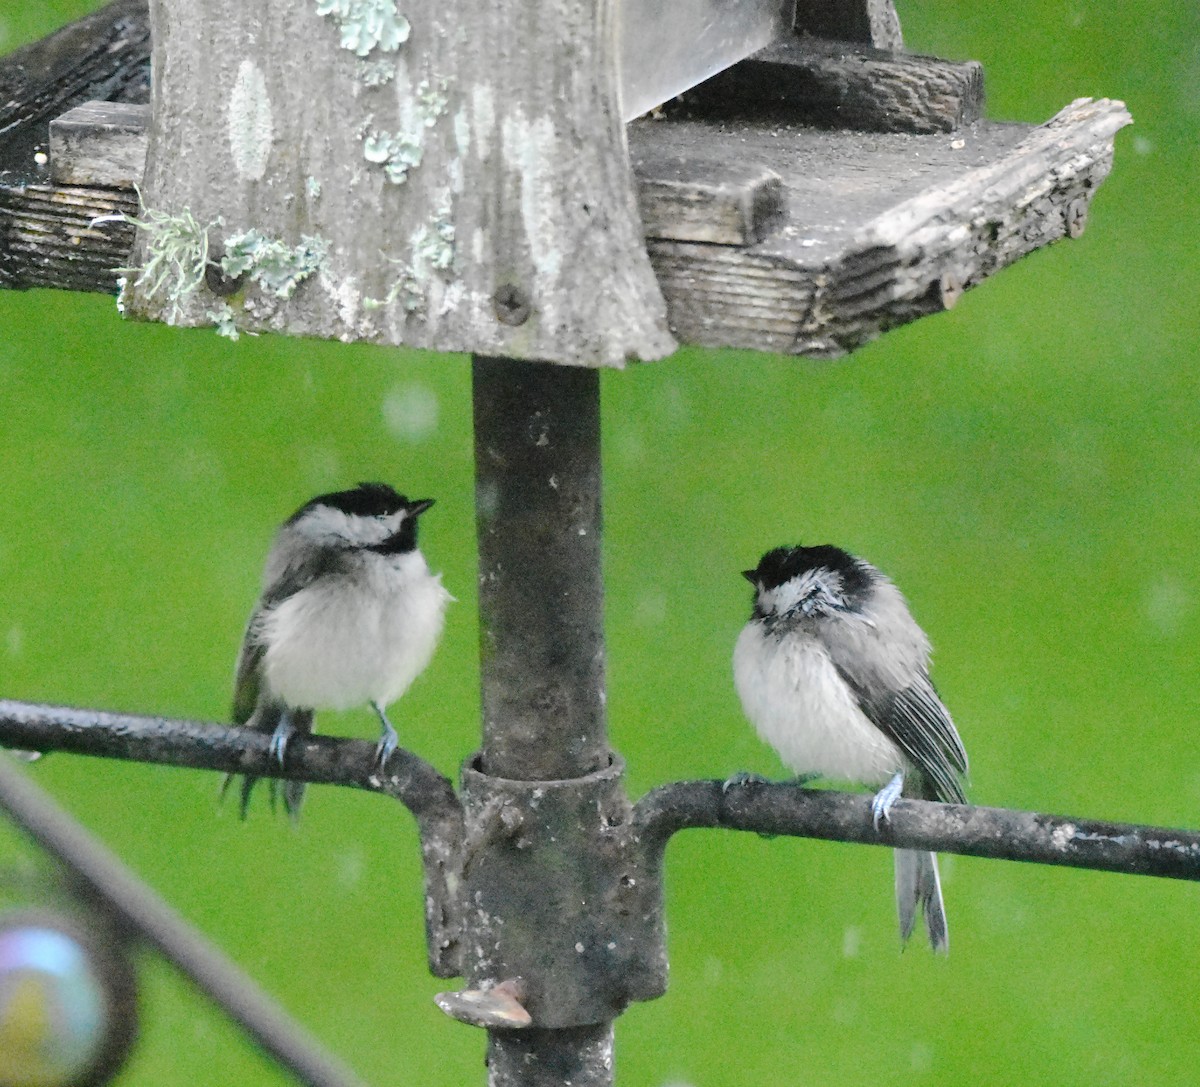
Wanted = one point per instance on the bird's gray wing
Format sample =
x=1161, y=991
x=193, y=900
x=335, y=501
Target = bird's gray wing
x=247, y=685
x=917, y=722
x=251, y=704
x=247, y=681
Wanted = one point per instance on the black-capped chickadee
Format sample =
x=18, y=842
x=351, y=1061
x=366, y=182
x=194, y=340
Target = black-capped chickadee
x=349, y=614
x=833, y=672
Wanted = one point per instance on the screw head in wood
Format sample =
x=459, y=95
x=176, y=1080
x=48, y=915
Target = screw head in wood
x=510, y=304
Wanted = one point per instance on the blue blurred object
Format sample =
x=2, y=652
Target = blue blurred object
x=66, y=1016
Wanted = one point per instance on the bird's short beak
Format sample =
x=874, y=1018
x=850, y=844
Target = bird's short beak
x=751, y=576
x=418, y=506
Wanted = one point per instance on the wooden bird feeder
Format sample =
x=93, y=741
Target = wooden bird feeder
x=456, y=177
x=462, y=176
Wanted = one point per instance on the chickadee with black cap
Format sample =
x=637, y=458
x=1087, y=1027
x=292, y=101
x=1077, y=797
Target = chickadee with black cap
x=833, y=672
x=350, y=614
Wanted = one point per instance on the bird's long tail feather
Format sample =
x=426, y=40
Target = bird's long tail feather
x=918, y=884
x=268, y=717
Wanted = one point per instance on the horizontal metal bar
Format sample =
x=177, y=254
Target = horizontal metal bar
x=762, y=807
x=324, y=760
x=999, y=833
x=212, y=972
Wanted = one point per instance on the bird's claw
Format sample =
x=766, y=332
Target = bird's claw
x=388, y=742
x=280, y=737
x=882, y=801
x=742, y=777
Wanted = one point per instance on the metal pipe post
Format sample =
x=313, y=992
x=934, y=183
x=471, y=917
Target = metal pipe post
x=537, y=488
x=537, y=495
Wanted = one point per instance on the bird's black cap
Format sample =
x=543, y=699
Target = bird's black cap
x=782, y=564
x=366, y=500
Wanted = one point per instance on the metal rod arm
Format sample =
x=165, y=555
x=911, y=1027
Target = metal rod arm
x=212, y=972
x=324, y=760
x=1000, y=833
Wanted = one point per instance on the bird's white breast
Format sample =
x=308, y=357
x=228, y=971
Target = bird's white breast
x=354, y=638
x=800, y=705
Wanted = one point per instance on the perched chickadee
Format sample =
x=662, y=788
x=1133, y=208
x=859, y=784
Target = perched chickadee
x=833, y=672
x=349, y=614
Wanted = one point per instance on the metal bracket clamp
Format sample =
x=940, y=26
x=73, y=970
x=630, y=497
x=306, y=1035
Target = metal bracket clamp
x=579, y=942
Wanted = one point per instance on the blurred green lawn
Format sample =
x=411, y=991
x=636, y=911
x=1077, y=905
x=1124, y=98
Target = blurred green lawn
x=1024, y=466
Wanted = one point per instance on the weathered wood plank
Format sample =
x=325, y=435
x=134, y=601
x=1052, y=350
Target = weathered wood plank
x=451, y=177
x=105, y=55
x=842, y=85
x=879, y=229
x=725, y=204
x=100, y=143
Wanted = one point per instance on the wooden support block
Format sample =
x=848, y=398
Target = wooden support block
x=843, y=85
x=687, y=200
x=873, y=22
x=103, y=56
x=100, y=143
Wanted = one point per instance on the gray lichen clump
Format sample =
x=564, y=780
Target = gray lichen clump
x=274, y=265
x=367, y=25
x=225, y=321
x=432, y=252
x=403, y=151
x=176, y=257
x=397, y=154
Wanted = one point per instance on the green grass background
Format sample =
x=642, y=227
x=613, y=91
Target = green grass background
x=1024, y=466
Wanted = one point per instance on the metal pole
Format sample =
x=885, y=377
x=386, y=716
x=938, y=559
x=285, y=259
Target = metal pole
x=537, y=495
x=537, y=488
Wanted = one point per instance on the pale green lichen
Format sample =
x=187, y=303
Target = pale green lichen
x=376, y=73
x=433, y=100
x=397, y=153
x=432, y=249
x=176, y=256
x=366, y=25
x=223, y=318
x=406, y=290
x=400, y=152
x=433, y=245
x=313, y=187
x=274, y=265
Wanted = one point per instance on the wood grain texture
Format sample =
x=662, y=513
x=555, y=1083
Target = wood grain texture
x=517, y=176
x=100, y=143
x=873, y=22
x=49, y=237
x=878, y=229
x=842, y=85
